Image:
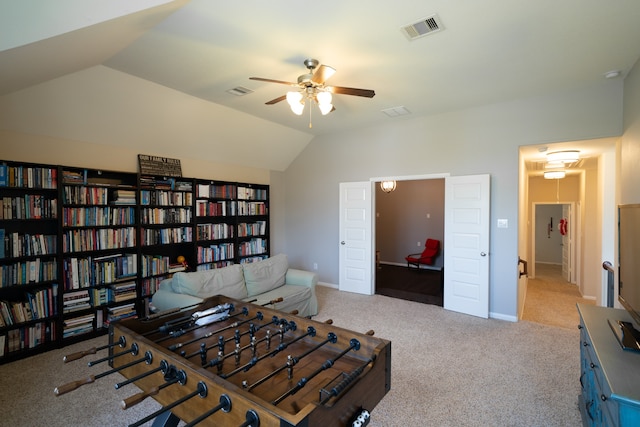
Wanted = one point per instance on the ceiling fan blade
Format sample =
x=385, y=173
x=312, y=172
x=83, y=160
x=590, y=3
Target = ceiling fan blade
x=322, y=74
x=272, y=81
x=367, y=93
x=276, y=100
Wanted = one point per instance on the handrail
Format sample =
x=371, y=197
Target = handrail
x=524, y=263
x=611, y=282
x=608, y=266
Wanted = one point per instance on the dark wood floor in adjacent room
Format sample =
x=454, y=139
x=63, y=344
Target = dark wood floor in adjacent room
x=422, y=285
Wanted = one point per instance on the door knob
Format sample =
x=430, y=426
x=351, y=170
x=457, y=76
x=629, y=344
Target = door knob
x=483, y=254
x=342, y=243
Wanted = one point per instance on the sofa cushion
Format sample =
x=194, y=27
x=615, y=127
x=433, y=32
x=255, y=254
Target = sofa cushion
x=262, y=276
x=227, y=281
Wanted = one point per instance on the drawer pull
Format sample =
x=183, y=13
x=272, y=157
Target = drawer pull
x=592, y=365
x=579, y=326
x=603, y=397
x=585, y=344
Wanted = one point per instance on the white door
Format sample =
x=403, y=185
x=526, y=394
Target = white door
x=567, y=265
x=466, y=244
x=355, y=238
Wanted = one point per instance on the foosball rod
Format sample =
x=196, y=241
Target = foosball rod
x=122, y=341
x=354, y=345
x=172, y=376
x=180, y=332
x=220, y=308
x=91, y=378
x=163, y=368
x=252, y=419
x=134, y=351
x=331, y=338
x=201, y=391
x=351, y=377
x=174, y=347
x=225, y=406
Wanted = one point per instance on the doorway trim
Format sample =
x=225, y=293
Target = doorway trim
x=574, y=259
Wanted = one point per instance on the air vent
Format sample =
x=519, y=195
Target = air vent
x=240, y=91
x=423, y=27
x=396, y=111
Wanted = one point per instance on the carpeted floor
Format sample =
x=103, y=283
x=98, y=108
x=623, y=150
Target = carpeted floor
x=448, y=369
x=425, y=286
x=551, y=300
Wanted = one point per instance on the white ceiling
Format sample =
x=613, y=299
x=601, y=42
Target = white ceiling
x=489, y=51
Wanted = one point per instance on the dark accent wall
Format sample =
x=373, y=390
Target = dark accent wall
x=413, y=212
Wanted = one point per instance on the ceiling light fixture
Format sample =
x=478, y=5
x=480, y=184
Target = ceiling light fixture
x=565, y=156
x=296, y=100
x=388, y=186
x=554, y=174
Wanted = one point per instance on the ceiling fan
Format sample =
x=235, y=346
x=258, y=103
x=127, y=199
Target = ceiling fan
x=312, y=87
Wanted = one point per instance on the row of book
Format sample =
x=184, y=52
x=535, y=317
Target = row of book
x=220, y=208
x=248, y=193
x=165, y=183
x=27, y=337
x=98, y=239
x=25, y=272
x=214, y=231
x=214, y=265
x=154, y=265
x=219, y=252
x=77, y=195
x=96, y=271
x=28, y=177
x=253, y=247
x=29, y=206
x=124, y=197
x=252, y=208
x=95, y=297
x=258, y=228
x=78, y=325
x=36, y=305
x=98, y=216
x=165, y=216
x=23, y=245
x=226, y=191
x=165, y=198
x=164, y=236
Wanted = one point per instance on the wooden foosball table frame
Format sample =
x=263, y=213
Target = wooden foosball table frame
x=249, y=365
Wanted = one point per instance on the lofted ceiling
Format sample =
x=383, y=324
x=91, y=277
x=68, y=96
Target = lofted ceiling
x=191, y=53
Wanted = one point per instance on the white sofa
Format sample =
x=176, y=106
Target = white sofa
x=262, y=281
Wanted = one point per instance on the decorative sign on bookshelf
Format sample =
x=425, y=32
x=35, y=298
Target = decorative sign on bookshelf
x=155, y=165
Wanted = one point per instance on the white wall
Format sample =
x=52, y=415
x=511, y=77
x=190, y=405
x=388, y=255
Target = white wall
x=474, y=141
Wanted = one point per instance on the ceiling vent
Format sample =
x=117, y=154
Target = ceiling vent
x=423, y=27
x=240, y=91
x=396, y=111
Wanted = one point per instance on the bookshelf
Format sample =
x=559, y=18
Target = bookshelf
x=253, y=222
x=29, y=262
x=215, y=224
x=166, y=229
x=100, y=261
x=80, y=248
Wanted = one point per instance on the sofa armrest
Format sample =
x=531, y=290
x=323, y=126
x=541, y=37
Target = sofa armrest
x=301, y=278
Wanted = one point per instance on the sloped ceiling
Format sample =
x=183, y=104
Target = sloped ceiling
x=157, y=74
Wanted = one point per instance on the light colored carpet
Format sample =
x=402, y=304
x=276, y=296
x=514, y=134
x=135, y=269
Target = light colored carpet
x=448, y=369
x=551, y=300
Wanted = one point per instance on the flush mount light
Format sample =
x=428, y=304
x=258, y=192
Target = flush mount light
x=554, y=174
x=388, y=186
x=565, y=156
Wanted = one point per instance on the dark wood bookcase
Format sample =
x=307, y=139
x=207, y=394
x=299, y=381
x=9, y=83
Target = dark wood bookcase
x=81, y=248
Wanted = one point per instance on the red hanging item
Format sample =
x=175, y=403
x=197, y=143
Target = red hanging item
x=563, y=226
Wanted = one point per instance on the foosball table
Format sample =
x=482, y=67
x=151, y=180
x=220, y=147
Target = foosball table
x=227, y=362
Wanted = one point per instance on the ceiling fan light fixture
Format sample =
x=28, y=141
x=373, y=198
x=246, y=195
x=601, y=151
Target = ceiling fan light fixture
x=324, y=102
x=294, y=99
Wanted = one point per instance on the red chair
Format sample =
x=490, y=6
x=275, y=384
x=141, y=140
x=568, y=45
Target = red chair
x=427, y=257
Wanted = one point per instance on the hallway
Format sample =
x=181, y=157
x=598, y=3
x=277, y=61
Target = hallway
x=550, y=300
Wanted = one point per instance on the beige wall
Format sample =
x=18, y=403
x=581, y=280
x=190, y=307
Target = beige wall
x=42, y=149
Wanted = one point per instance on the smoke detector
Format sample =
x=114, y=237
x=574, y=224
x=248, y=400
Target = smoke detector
x=423, y=27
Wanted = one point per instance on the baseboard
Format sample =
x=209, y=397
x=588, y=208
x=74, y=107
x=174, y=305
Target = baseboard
x=501, y=316
x=328, y=285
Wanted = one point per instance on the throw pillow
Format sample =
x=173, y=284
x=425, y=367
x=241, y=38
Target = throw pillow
x=262, y=276
x=227, y=281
